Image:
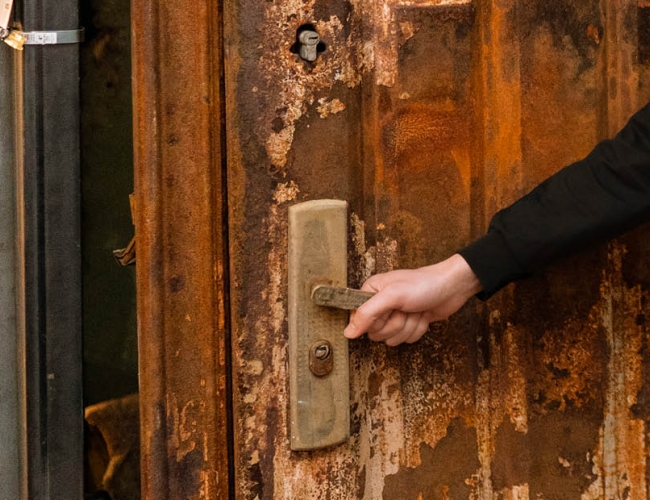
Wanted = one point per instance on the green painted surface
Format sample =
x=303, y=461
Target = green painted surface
x=110, y=344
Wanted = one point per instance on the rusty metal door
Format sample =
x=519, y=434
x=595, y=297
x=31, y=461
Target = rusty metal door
x=427, y=116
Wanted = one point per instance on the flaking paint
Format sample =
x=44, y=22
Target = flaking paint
x=489, y=123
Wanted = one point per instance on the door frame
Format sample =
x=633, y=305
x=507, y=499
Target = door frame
x=182, y=247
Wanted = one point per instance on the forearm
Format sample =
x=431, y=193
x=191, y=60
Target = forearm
x=588, y=202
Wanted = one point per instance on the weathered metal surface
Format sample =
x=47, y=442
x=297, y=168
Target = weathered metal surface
x=319, y=380
x=48, y=272
x=181, y=269
x=428, y=117
x=9, y=409
x=340, y=298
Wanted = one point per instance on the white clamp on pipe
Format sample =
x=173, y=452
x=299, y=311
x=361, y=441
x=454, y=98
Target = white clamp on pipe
x=53, y=37
x=17, y=38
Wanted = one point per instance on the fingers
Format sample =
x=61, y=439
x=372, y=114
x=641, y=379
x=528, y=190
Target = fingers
x=371, y=315
x=419, y=330
x=400, y=327
x=356, y=326
x=410, y=326
x=395, y=323
x=375, y=283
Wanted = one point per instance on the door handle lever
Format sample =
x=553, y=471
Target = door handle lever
x=338, y=297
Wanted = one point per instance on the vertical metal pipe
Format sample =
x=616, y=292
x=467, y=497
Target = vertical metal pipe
x=9, y=458
x=50, y=258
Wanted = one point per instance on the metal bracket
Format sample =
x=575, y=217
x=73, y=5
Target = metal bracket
x=17, y=39
x=53, y=37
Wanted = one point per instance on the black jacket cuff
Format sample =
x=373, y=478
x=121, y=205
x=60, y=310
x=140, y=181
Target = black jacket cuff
x=493, y=263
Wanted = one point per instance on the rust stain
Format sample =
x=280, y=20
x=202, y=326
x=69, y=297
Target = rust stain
x=594, y=34
x=568, y=375
x=437, y=476
x=547, y=403
x=179, y=221
x=296, y=82
x=501, y=70
x=430, y=3
x=369, y=44
x=619, y=460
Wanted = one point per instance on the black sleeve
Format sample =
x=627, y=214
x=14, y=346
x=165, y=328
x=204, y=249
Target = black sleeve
x=588, y=202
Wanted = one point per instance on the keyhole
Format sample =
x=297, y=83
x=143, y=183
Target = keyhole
x=323, y=351
x=308, y=43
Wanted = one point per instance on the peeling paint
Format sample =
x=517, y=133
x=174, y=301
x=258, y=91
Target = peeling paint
x=285, y=192
x=327, y=108
x=366, y=256
x=517, y=493
x=380, y=416
x=184, y=428
x=370, y=43
x=542, y=387
x=622, y=438
x=298, y=81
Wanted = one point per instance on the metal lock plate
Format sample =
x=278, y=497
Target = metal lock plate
x=321, y=360
x=318, y=351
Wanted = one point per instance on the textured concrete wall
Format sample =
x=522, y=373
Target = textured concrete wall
x=9, y=470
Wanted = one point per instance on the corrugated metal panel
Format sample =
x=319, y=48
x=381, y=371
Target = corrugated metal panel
x=427, y=117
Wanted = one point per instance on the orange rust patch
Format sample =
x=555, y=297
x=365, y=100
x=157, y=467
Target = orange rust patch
x=444, y=470
x=594, y=34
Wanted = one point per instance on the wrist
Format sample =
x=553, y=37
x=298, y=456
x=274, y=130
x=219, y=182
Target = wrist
x=463, y=276
x=450, y=284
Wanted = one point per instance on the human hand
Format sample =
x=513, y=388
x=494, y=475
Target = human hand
x=408, y=300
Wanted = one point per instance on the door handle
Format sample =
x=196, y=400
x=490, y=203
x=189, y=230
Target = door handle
x=340, y=298
x=318, y=352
